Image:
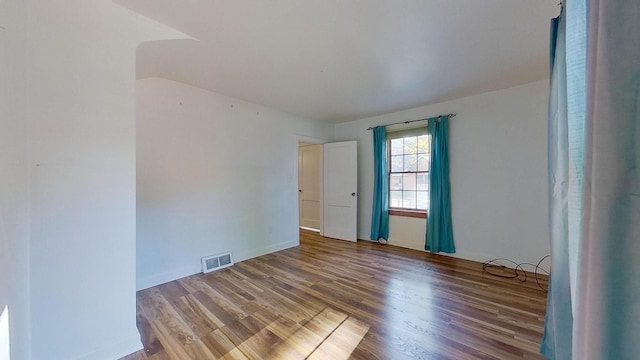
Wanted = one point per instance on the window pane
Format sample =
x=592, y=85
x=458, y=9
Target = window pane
x=423, y=200
x=423, y=162
x=410, y=162
x=423, y=181
x=395, y=199
x=423, y=144
x=409, y=181
x=409, y=199
x=411, y=145
x=396, y=146
x=409, y=155
x=396, y=163
x=395, y=182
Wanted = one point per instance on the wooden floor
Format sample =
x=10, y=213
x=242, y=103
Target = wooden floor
x=333, y=300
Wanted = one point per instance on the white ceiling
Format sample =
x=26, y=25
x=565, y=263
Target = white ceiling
x=341, y=60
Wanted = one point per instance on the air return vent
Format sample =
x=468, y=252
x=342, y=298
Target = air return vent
x=216, y=262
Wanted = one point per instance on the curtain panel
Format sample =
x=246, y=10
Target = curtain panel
x=380, y=213
x=556, y=342
x=594, y=183
x=439, y=237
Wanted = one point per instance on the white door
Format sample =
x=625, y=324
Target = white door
x=340, y=179
x=309, y=175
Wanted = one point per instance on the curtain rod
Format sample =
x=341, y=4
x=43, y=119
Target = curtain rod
x=410, y=121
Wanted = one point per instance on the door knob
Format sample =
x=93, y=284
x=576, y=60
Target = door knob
x=299, y=190
x=353, y=194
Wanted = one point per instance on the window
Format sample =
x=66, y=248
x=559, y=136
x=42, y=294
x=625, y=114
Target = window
x=409, y=156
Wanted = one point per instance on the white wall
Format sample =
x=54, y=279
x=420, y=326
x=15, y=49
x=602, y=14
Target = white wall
x=498, y=165
x=214, y=174
x=14, y=191
x=81, y=109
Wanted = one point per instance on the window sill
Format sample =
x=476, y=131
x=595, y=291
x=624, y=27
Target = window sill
x=408, y=213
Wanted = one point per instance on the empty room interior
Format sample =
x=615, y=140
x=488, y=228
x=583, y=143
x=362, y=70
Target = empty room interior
x=319, y=179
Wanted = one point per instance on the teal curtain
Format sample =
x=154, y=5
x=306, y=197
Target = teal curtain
x=557, y=338
x=607, y=301
x=380, y=214
x=594, y=183
x=439, y=236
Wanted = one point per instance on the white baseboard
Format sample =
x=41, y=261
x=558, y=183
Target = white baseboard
x=407, y=245
x=458, y=255
x=246, y=255
x=116, y=350
x=165, y=277
x=309, y=229
x=473, y=257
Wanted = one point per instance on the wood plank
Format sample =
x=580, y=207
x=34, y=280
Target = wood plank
x=342, y=341
x=329, y=299
x=149, y=339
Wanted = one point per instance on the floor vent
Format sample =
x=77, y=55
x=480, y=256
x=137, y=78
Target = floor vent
x=216, y=262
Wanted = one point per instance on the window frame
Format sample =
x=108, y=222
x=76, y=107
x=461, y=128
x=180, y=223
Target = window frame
x=400, y=134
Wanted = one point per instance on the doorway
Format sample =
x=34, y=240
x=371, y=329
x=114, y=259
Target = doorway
x=310, y=156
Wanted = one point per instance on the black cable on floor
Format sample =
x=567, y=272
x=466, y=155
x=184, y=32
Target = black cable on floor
x=515, y=272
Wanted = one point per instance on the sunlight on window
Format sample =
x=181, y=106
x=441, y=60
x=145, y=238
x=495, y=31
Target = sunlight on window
x=408, y=158
x=5, y=351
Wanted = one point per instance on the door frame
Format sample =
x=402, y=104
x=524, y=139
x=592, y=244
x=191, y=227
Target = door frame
x=311, y=140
